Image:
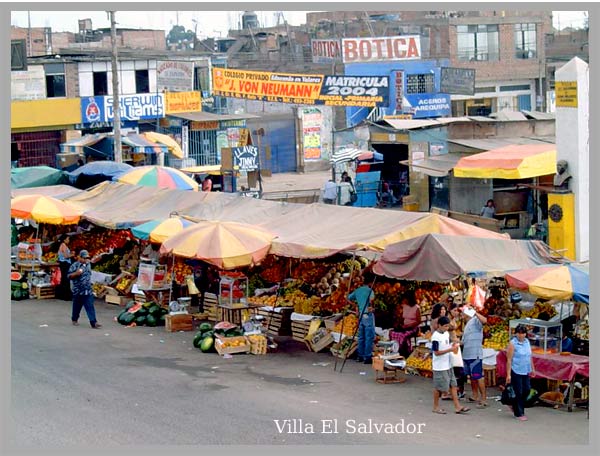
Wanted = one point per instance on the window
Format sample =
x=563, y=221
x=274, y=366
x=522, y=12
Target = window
x=525, y=41
x=477, y=42
x=512, y=88
x=142, y=83
x=202, y=80
x=100, y=83
x=420, y=83
x=55, y=80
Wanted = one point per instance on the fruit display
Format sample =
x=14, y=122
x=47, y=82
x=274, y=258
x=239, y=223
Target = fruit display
x=420, y=359
x=258, y=344
x=204, y=339
x=538, y=308
x=495, y=333
x=148, y=314
x=180, y=269
x=582, y=330
x=109, y=264
x=50, y=257
x=100, y=240
x=265, y=300
x=347, y=325
x=125, y=283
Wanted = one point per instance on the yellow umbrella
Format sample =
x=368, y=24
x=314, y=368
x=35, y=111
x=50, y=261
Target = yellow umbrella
x=160, y=230
x=44, y=209
x=227, y=245
x=174, y=148
x=158, y=176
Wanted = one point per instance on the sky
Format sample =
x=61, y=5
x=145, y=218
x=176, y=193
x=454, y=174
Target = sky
x=209, y=23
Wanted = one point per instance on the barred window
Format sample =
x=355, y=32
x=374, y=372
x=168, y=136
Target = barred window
x=420, y=83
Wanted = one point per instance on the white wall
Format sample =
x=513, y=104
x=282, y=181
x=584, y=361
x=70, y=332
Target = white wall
x=126, y=75
x=572, y=143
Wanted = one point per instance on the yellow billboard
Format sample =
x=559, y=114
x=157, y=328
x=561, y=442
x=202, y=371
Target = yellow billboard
x=183, y=102
x=45, y=113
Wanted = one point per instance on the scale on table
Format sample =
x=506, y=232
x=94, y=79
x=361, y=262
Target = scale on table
x=180, y=307
x=392, y=359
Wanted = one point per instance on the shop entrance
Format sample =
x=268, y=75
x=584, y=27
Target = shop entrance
x=392, y=171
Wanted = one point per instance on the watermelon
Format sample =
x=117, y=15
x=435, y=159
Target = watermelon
x=129, y=305
x=163, y=311
x=233, y=332
x=14, y=275
x=210, y=333
x=128, y=318
x=151, y=320
x=204, y=326
x=140, y=320
x=141, y=312
x=120, y=317
x=161, y=321
x=147, y=305
x=197, y=339
x=207, y=344
x=154, y=310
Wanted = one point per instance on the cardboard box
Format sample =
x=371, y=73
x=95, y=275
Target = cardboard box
x=115, y=299
x=183, y=322
x=319, y=340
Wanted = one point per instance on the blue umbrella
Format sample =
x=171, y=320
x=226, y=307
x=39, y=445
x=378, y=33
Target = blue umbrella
x=106, y=168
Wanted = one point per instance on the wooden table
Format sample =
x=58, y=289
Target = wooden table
x=553, y=366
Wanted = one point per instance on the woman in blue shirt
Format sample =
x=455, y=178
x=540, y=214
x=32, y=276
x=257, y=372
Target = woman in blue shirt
x=519, y=367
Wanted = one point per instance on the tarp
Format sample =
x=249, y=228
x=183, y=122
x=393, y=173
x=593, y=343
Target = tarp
x=141, y=145
x=303, y=231
x=442, y=257
x=436, y=165
x=77, y=144
x=510, y=162
x=174, y=148
x=104, y=167
x=36, y=176
x=56, y=191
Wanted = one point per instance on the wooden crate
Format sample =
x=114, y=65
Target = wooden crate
x=174, y=323
x=384, y=374
x=41, y=292
x=115, y=299
x=221, y=350
x=335, y=350
x=272, y=321
x=489, y=373
x=300, y=330
x=319, y=341
x=210, y=306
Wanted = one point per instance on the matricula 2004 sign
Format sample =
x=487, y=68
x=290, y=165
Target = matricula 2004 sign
x=362, y=91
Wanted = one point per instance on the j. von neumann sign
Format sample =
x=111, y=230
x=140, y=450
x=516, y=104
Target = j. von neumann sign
x=132, y=107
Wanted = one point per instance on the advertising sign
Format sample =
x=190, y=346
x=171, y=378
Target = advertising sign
x=182, y=102
x=566, y=94
x=312, y=119
x=174, y=76
x=246, y=158
x=28, y=85
x=326, y=51
x=385, y=48
x=132, y=107
x=425, y=105
x=460, y=81
x=361, y=91
x=399, y=86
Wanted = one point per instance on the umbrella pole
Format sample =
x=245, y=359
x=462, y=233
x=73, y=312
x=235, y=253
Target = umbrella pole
x=344, y=314
x=172, y=278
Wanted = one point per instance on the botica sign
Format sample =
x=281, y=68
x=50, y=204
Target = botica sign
x=381, y=49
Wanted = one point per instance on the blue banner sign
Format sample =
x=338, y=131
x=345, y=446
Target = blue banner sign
x=132, y=107
x=424, y=105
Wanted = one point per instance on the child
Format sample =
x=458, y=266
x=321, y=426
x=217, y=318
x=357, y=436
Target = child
x=443, y=374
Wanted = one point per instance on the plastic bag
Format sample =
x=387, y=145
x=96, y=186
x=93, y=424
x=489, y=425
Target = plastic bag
x=477, y=297
x=56, y=277
x=508, y=395
x=456, y=359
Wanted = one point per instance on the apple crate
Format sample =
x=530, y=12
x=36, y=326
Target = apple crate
x=183, y=322
x=43, y=291
x=300, y=330
x=222, y=349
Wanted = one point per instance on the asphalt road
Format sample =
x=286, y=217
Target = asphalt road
x=75, y=386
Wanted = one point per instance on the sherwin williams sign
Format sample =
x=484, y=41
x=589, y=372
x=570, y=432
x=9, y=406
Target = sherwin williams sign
x=425, y=105
x=132, y=107
x=380, y=49
x=367, y=91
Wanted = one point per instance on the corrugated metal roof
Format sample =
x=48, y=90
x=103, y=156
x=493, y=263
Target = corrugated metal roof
x=540, y=115
x=508, y=115
x=409, y=124
x=496, y=143
x=436, y=165
x=209, y=116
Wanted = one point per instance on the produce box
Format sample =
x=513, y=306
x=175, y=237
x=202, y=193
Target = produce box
x=344, y=348
x=420, y=362
x=183, y=322
x=123, y=282
x=489, y=373
x=231, y=345
x=116, y=299
x=258, y=344
x=210, y=306
x=319, y=340
x=331, y=321
x=300, y=329
x=43, y=291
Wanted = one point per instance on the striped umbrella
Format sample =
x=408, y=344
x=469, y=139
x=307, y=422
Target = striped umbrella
x=158, y=176
x=227, y=245
x=43, y=209
x=160, y=230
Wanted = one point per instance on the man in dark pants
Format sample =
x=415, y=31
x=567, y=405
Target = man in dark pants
x=80, y=273
x=363, y=297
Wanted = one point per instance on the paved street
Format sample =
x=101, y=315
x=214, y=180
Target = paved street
x=142, y=386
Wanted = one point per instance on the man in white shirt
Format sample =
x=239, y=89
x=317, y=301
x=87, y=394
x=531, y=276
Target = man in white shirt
x=330, y=192
x=443, y=373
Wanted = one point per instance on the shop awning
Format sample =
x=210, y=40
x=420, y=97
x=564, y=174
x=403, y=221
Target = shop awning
x=510, y=162
x=441, y=258
x=77, y=145
x=141, y=145
x=206, y=169
x=436, y=166
x=166, y=140
x=352, y=153
x=487, y=144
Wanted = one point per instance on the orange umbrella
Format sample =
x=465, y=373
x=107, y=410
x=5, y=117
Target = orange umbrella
x=43, y=209
x=227, y=245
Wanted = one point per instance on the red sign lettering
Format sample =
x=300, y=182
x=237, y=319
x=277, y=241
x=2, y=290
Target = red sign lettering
x=381, y=49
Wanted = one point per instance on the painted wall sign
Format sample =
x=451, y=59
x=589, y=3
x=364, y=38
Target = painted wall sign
x=566, y=94
x=312, y=119
x=379, y=49
x=399, y=86
x=460, y=81
x=204, y=125
x=246, y=158
x=425, y=105
x=367, y=91
x=28, y=85
x=174, y=76
x=326, y=51
x=132, y=107
x=183, y=102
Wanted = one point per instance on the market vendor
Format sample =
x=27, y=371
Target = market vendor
x=363, y=297
x=411, y=320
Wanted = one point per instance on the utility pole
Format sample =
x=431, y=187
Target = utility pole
x=115, y=82
x=29, y=53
